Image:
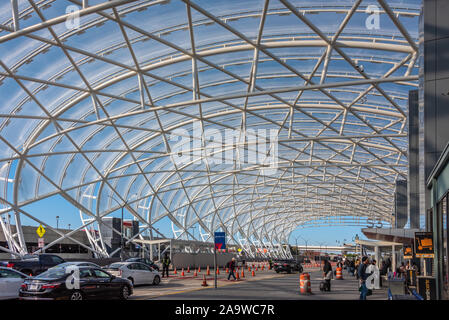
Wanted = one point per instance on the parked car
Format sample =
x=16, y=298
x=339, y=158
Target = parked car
x=136, y=272
x=93, y=283
x=10, y=282
x=78, y=264
x=287, y=266
x=35, y=264
x=144, y=260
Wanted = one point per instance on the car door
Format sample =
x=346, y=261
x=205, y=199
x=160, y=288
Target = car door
x=88, y=282
x=138, y=273
x=147, y=274
x=12, y=281
x=103, y=282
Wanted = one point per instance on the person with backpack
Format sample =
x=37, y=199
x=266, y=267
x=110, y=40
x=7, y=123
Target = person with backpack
x=231, y=267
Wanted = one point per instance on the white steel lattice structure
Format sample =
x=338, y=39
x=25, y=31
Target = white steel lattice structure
x=91, y=100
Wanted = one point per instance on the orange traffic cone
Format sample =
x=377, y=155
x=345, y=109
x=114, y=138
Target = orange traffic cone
x=208, y=271
x=175, y=272
x=256, y=268
x=253, y=273
x=237, y=276
x=243, y=274
x=195, y=274
x=262, y=267
x=182, y=272
x=227, y=270
x=188, y=269
x=199, y=269
x=218, y=270
x=204, y=281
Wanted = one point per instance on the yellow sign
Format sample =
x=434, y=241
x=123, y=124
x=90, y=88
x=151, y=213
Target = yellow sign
x=239, y=250
x=40, y=231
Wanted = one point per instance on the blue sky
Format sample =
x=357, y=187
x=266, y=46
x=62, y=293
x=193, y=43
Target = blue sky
x=48, y=209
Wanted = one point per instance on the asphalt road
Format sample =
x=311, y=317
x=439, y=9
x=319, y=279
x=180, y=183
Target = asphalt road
x=284, y=287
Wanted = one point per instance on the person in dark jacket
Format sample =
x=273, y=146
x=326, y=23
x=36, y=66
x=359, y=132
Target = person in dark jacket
x=231, y=266
x=327, y=274
x=165, y=264
x=363, y=275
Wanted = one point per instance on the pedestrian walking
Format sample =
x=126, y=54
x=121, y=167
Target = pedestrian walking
x=165, y=264
x=231, y=266
x=363, y=275
x=327, y=274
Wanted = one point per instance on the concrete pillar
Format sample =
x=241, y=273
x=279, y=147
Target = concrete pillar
x=376, y=255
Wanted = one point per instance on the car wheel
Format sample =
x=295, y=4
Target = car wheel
x=76, y=295
x=124, y=293
x=156, y=280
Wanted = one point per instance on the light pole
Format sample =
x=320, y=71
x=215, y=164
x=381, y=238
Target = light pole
x=69, y=226
x=320, y=243
x=306, y=241
x=122, y=223
x=57, y=222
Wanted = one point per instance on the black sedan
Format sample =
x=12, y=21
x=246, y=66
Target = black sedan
x=91, y=282
x=287, y=266
x=145, y=261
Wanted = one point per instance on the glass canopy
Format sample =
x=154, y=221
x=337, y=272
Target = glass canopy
x=114, y=104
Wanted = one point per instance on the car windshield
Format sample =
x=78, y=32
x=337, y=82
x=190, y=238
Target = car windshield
x=115, y=266
x=53, y=273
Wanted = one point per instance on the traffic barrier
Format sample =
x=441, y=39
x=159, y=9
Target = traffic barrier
x=182, y=273
x=339, y=273
x=304, y=283
x=204, y=284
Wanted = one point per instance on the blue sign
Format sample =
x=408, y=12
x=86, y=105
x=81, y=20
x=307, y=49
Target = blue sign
x=220, y=240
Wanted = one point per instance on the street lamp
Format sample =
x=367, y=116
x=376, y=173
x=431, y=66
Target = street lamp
x=57, y=222
x=306, y=241
x=69, y=226
x=122, y=223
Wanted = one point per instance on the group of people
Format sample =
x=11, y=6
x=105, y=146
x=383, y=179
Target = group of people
x=357, y=268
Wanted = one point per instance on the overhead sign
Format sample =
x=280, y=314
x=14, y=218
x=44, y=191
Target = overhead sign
x=424, y=245
x=220, y=240
x=40, y=243
x=408, y=251
x=40, y=231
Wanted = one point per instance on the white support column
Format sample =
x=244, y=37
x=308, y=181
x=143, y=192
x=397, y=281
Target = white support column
x=15, y=14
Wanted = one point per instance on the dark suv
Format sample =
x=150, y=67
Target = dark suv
x=287, y=266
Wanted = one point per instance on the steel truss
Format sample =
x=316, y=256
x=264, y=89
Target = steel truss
x=340, y=127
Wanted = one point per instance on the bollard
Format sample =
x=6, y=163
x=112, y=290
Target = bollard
x=339, y=273
x=304, y=283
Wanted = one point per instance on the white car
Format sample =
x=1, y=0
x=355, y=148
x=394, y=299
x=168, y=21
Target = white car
x=10, y=282
x=138, y=273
